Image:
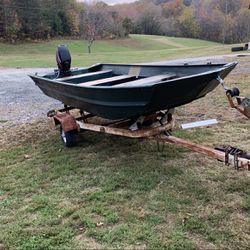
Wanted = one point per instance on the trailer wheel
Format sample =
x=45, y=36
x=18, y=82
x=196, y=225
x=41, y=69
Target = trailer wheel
x=68, y=138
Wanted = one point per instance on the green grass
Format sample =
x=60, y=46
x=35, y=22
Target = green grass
x=137, y=48
x=189, y=42
x=113, y=192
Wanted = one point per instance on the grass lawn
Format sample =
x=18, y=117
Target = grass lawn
x=113, y=192
x=137, y=48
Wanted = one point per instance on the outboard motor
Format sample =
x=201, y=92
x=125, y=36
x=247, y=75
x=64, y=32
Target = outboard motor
x=63, y=60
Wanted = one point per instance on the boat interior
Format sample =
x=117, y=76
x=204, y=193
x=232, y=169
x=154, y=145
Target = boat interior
x=120, y=75
x=108, y=78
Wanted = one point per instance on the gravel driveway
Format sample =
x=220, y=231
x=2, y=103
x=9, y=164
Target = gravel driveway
x=22, y=101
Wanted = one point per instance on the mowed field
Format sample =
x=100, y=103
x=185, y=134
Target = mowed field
x=137, y=48
x=113, y=192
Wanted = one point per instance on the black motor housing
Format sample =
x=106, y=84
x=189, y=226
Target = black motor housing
x=63, y=60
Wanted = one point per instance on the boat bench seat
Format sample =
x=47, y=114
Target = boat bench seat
x=86, y=77
x=109, y=81
x=147, y=80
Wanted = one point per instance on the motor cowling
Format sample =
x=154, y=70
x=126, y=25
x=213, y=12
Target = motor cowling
x=63, y=60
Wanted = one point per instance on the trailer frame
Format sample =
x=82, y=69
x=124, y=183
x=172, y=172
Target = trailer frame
x=157, y=126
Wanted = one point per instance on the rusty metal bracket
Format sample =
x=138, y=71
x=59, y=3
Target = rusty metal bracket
x=53, y=112
x=245, y=110
x=242, y=104
x=66, y=120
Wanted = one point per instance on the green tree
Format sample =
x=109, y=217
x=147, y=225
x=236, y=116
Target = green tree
x=58, y=25
x=188, y=23
x=127, y=25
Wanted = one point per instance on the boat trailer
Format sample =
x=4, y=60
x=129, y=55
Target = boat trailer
x=158, y=126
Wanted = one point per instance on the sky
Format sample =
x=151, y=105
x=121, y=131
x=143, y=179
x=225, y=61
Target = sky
x=110, y=2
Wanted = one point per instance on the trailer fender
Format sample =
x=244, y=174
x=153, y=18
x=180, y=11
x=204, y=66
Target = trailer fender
x=67, y=122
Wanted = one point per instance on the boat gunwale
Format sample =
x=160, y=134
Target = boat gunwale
x=174, y=80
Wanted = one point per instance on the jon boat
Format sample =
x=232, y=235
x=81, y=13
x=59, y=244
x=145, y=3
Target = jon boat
x=121, y=91
x=135, y=95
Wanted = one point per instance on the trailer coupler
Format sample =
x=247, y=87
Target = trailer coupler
x=231, y=156
x=236, y=153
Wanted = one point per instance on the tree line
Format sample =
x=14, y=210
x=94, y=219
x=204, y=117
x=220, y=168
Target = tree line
x=45, y=19
x=38, y=19
x=226, y=21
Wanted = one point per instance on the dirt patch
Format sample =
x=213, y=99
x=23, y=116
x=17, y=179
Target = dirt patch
x=168, y=42
x=28, y=133
x=85, y=242
x=200, y=243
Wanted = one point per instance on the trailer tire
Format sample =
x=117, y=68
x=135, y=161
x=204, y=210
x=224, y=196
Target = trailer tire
x=68, y=138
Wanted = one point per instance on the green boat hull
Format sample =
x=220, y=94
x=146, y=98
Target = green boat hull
x=121, y=100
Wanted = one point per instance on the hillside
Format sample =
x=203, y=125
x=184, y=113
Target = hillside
x=137, y=48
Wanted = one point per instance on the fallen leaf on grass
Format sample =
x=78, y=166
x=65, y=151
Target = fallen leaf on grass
x=99, y=224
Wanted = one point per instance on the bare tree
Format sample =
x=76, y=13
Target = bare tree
x=93, y=22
